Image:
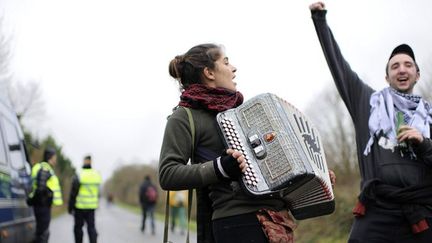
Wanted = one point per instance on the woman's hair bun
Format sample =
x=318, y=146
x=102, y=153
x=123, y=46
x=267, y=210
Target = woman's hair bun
x=175, y=66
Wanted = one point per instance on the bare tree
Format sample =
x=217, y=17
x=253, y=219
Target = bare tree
x=26, y=99
x=424, y=86
x=336, y=129
x=5, y=56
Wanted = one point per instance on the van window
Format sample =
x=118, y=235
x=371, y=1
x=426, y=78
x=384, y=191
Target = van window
x=17, y=158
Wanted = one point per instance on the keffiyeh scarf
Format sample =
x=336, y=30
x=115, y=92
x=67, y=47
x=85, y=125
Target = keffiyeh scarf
x=384, y=105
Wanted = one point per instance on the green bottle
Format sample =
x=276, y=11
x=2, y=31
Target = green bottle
x=399, y=122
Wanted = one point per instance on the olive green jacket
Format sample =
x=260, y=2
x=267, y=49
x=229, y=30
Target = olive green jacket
x=227, y=197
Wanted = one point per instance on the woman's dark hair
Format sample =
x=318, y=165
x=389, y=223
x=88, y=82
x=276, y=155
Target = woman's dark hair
x=188, y=68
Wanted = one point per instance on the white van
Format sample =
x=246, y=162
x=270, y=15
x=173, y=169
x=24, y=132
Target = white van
x=17, y=222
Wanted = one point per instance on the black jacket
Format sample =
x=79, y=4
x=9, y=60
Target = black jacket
x=384, y=165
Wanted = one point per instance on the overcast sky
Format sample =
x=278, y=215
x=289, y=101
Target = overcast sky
x=103, y=64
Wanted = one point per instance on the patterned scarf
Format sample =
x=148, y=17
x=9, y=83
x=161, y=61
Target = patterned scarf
x=277, y=226
x=200, y=96
x=385, y=104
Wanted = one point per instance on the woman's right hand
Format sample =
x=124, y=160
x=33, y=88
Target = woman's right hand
x=317, y=6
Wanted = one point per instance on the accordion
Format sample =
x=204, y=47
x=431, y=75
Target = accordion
x=284, y=154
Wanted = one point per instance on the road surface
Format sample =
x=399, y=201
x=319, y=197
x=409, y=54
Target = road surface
x=114, y=225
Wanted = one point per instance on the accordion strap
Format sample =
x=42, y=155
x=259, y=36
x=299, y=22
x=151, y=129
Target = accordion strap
x=190, y=192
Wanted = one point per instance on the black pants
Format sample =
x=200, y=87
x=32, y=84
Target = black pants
x=148, y=209
x=243, y=228
x=87, y=216
x=384, y=226
x=43, y=218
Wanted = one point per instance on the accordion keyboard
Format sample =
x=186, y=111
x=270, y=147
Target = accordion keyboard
x=283, y=151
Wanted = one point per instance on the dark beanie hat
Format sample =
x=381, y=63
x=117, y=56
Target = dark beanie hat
x=404, y=49
x=48, y=153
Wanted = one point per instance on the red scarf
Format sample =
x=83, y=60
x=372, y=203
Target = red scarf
x=200, y=96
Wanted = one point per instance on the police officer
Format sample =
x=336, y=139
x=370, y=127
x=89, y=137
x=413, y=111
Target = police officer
x=84, y=199
x=45, y=192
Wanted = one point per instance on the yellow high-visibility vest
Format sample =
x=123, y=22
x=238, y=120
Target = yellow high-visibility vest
x=88, y=194
x=178, y=198
x=52, y=183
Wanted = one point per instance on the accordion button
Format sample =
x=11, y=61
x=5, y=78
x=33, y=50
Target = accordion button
x=254, y=141
x=260, y=152
x=258, y=149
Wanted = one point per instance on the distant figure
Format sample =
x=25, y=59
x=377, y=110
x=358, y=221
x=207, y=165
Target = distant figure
x=84, y=199
x=178, y=203
x=148, y=196
x=110, y=199
x=46, y=191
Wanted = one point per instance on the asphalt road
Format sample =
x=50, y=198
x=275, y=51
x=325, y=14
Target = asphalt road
x=114, y=225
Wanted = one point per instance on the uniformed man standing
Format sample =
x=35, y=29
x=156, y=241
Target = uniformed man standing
x=45, y=192
x=84, y=199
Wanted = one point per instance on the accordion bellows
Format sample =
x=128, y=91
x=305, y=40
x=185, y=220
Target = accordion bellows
x=284, y=153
